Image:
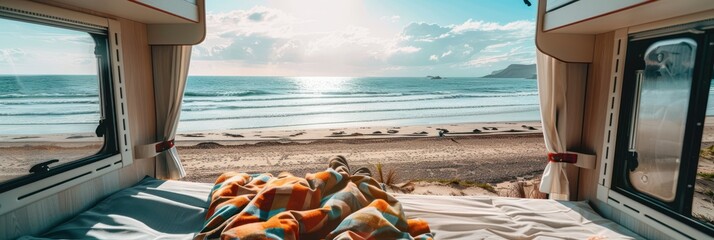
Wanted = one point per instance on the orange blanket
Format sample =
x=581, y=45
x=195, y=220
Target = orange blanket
x=325, y=205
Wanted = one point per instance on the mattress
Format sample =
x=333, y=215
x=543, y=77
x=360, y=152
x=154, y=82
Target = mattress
x=473, y=217
x=157, y=209
x=151, y=209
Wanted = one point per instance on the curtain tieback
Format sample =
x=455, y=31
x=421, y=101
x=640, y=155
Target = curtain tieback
x=563, y=157
x=582, y=160
x=152, y=149
x=165, y=145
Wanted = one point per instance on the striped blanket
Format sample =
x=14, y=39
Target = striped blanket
x=325, y=205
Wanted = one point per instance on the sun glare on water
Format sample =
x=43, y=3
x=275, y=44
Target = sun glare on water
x=322, y=85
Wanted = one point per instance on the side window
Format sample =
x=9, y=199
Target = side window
x=662, y=125
x=661, y=101
x=55, y=104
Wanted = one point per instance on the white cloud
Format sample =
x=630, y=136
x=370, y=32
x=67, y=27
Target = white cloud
x=230, y=33
x=472, y=40
x=407, y=49
x=497, y=47
x=271, y=39
x=257, y=20
x=263, y=35
x=515, y=55
x=471, y=25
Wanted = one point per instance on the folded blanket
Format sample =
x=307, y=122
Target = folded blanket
x=325, y=205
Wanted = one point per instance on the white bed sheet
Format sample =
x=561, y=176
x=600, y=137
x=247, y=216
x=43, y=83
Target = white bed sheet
x=473, y=217
x=157, y=209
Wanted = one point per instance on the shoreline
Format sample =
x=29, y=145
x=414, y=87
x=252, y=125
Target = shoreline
x=257, y=135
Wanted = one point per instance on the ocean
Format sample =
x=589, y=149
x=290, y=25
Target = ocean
x=69, y=104
x=48, y=104
x=324, y=102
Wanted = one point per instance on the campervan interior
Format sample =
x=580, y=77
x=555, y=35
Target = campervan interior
x=623, y=87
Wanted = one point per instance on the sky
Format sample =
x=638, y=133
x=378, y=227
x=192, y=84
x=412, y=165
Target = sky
x=364, y=37
x=27, y=49
x=349, y=38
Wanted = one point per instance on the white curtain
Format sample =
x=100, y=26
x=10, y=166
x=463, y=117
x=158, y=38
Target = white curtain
x=170, y=71
x=552, y=85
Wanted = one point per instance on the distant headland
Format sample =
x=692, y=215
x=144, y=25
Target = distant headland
x=515, y=71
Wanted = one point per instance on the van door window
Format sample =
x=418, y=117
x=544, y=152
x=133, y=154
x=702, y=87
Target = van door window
x=664, y=133
x=662, y=92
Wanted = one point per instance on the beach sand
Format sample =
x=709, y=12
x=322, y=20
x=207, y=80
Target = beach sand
x=19, y=153
x=457, y=163
x=502, y=152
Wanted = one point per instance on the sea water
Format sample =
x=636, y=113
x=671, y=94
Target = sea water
x=70, y=104
x=48, y=104
x=321, y=102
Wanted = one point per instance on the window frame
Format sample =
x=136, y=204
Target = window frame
x=116, y=152
x=681, y=208
x=109, y=146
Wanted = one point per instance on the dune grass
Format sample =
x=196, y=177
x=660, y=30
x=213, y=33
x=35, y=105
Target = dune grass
x=388, y=177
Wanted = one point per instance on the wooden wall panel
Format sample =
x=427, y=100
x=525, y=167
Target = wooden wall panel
x=39, y=216
x=595, y=111
x=139, y=90
x=577, y=74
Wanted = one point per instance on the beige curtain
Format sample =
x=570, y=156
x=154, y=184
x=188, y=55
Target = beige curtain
x=552, y=85
x=170, y=71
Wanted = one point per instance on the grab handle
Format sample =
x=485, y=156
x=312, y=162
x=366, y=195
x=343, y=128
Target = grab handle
x=42, y=167
x=636, y=110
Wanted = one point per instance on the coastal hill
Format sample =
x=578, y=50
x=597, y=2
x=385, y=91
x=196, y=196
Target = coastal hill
x=515, y=71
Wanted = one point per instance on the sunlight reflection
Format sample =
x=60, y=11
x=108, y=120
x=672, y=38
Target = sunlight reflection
x=321, y=85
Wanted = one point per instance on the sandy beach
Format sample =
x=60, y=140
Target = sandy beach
x=457, y=163
x=18, y=153
x=496, y=152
